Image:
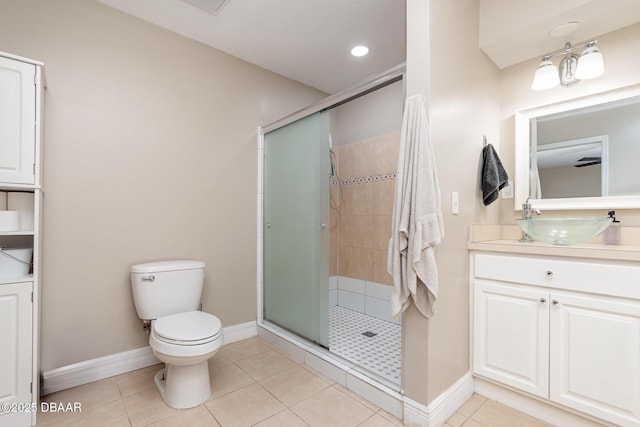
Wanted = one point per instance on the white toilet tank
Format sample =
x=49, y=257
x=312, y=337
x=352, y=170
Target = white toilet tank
x=167, y=287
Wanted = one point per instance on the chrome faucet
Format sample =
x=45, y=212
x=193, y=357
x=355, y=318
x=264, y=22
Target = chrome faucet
x=527, y=211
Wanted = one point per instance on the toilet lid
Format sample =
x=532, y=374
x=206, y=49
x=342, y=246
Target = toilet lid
x=187, y=327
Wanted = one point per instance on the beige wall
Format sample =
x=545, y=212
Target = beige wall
x=150, y=153
x=376, y=113
x=463, y=98
x=621, y=69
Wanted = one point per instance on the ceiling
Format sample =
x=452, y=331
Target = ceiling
x=512, y=31
x=306, y=40
x=310, y=40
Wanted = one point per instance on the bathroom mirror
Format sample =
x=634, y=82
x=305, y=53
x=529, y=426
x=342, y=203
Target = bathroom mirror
x=580, y=154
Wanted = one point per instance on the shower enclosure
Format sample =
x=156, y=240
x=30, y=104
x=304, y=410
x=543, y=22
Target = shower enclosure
x=328, y=183
x=296, y=234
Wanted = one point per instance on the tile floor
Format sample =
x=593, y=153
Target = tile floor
x=479, y=411
x=253, y=384
x=380, y=353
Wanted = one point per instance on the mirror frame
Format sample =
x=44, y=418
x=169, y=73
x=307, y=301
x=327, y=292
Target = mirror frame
x=523, y=157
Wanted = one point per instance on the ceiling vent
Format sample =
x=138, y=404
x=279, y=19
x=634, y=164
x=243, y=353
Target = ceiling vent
x=210, y=6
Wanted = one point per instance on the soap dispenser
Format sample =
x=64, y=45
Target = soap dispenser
x=612, y=233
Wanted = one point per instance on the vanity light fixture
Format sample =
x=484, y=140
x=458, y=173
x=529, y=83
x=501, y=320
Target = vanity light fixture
x=573, y=67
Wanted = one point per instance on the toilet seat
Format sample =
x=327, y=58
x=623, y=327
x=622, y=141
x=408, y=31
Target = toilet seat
x=189, y=329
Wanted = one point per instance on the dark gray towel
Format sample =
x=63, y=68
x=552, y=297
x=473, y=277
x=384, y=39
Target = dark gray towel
x=494, y=177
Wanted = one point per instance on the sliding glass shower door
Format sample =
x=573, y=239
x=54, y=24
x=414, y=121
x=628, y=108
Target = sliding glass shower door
x=296, y=227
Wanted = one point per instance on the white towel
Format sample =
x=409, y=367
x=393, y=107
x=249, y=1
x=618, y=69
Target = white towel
x=417, y=217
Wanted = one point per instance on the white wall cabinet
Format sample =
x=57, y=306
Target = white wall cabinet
x=577, y=349
x=21, y=95
x=17, y=122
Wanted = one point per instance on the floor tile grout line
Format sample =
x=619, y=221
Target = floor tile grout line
x=367, y=419
x=277, y=413
x=289, y=406
x=477, y=409
x=258, y=380
x=211, y=413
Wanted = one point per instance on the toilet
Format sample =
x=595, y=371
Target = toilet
x=168, y=294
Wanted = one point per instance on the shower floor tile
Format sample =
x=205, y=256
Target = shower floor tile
x=369, y=342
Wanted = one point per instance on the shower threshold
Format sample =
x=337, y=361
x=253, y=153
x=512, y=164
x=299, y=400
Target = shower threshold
x=378, y=390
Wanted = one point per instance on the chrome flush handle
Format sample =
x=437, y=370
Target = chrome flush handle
x=149, y=278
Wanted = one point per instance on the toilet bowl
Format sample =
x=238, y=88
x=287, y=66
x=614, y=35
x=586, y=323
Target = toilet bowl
x=185, y=342
x=166, y=295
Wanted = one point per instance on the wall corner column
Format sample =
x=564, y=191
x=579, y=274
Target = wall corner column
x=415, y=330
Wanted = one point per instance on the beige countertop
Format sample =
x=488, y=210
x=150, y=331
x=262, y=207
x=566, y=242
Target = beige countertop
x=504, y=238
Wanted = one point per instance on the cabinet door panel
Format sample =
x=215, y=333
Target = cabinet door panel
x=15, y=348
x=511, y=336
x=595, y=356
x=17, y=121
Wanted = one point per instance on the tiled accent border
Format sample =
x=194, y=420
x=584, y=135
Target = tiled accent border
x=366, y=179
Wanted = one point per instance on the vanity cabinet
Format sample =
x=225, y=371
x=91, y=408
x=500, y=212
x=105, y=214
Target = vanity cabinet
x=511, y=336
x=563, y=330
x=21, y=96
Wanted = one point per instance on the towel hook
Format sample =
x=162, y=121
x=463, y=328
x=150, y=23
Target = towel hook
x=484, y=140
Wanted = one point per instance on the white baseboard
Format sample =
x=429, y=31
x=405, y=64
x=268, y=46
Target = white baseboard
x=240, y=332
x=442, y=408
x=96, y=369
x=120, y=363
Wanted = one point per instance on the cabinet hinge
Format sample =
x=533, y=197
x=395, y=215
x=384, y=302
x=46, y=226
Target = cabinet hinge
x=32, y=297
x=34, y=168
x=35, y=80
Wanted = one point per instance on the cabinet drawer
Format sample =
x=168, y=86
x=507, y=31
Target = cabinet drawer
x=620, y=279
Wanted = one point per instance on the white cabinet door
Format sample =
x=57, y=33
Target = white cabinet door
x=511, y=335
x=17, y=121
x=16, y=360
x=595, y=356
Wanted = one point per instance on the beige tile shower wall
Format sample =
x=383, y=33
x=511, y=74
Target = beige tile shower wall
x=363, y=218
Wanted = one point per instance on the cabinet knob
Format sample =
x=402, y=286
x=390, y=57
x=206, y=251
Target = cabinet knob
x=555, y=302
x=548, y=274
x=543, y=301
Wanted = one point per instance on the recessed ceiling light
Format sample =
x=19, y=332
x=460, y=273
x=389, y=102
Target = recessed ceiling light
x=565, y=29
x=360, y=50
x=211, y=6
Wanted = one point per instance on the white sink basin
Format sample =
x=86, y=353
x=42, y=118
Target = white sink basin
x=564, y=231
